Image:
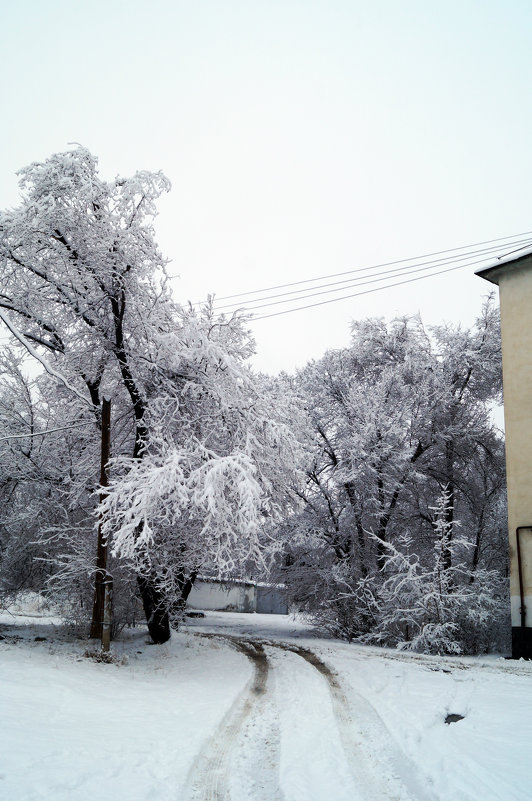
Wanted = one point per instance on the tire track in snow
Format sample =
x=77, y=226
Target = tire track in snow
x=379, y=768
x=390, y=779
x=210, y=777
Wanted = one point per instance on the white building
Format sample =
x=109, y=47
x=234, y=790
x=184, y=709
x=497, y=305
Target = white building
x=513, y=275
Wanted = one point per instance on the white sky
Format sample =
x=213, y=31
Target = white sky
x=302, y=137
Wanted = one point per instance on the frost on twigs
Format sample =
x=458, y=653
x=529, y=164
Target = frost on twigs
x=216, y=467
x=203, y=453
x=401, y=422
x=432, y=607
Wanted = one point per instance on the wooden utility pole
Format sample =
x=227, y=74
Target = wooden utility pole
x=107, y=613
x=99, y=607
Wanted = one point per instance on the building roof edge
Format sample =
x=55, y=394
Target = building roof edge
x=504, y=264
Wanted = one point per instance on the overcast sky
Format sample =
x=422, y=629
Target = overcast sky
x=302, y=137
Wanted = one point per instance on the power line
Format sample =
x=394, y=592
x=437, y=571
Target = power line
x=377, y=266
x=352, y=282
x=366, y=291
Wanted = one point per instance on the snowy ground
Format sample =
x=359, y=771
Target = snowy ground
x=255, y=708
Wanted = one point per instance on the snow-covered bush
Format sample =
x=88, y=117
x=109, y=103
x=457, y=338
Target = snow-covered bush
x=433, y=605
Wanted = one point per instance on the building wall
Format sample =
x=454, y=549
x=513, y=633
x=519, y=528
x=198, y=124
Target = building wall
x=222, y=597
x=515, y=288
x=237, y=597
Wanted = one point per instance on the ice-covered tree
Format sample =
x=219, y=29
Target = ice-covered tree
x=217, y=467
x=431, y=604
x=21, y=497
x=83, y=291
x=397, y=417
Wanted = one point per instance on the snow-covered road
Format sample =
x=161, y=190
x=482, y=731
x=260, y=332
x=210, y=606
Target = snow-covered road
x=257, y=708
x=294, y=733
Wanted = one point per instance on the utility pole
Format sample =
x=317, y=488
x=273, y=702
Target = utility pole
x=107, y=612
x=103, y=588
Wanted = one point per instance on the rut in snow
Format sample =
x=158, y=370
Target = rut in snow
x=383, y=773
x=378, y=767
x=210, y=778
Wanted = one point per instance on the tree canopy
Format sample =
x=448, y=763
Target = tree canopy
x=373, y=480
x=83, y=290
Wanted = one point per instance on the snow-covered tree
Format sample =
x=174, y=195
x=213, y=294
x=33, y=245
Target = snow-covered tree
x=216, y=469
x=398, y=417
x=83, y=290
x=432, y=605
x=49, y=451
x=21, y=498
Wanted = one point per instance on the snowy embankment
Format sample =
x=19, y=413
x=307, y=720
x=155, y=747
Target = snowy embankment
x=255, y=707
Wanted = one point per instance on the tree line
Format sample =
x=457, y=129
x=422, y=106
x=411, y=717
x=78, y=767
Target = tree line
x=371, y=483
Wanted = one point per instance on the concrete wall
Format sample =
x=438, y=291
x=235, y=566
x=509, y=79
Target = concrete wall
x=515, y=286
x=237, y=597
x=222, y=597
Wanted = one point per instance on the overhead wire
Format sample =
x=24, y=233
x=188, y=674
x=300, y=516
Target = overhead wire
x=503, y=239
x=365, y=291
x=272, y=300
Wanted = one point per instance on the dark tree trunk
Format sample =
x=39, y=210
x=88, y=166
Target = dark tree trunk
x=101, y=552
x=351, y=494
x=153, y=601
x=476, y=549
x=387, y=510
x=185, y=584
x=449, y=511
x=155, y=610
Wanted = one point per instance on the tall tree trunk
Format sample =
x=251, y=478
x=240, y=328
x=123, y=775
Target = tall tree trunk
x=476, y=549
x=387, y=510
x=155, y=609
x=352, y=496
x=449, y=510
x=101, y=553
x=185, y=584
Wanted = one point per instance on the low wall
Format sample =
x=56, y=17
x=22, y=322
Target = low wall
x=237, y=596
